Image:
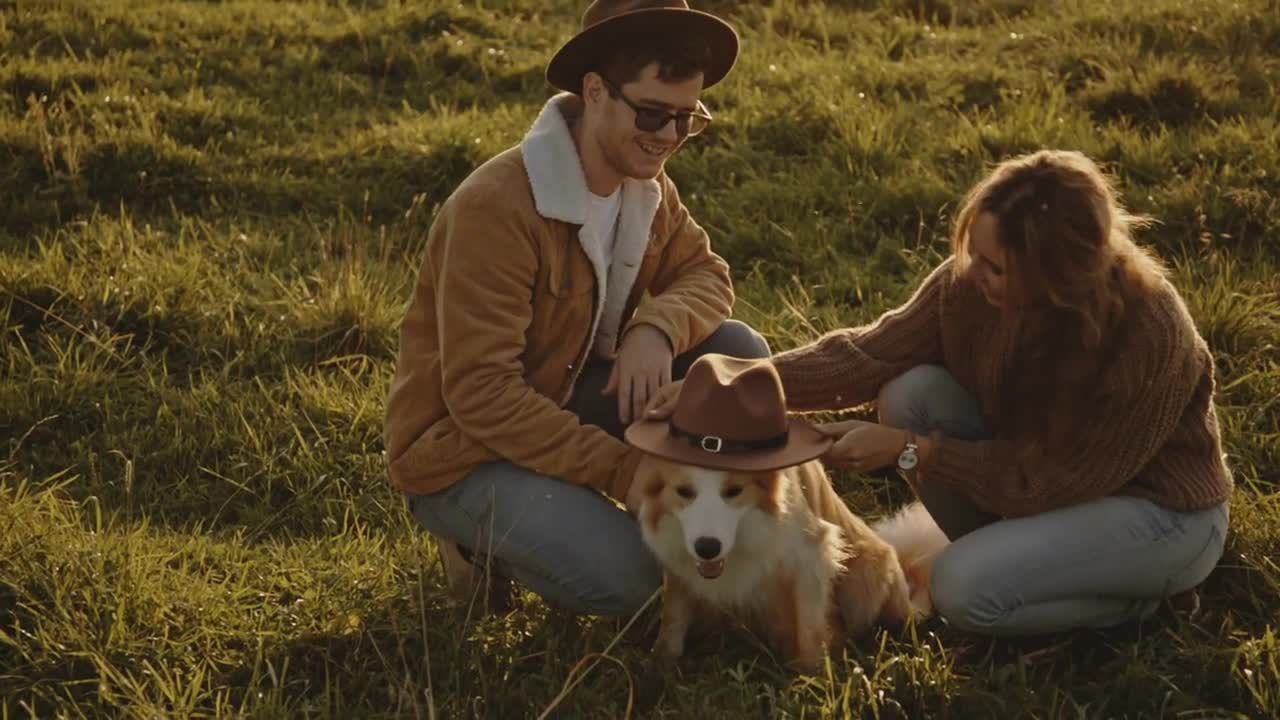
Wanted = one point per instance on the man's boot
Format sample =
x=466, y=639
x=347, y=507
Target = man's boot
x=466, y=576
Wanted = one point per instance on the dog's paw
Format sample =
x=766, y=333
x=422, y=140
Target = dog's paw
x=922, y=603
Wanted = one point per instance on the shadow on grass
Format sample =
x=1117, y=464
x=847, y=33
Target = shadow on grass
x=398, y=661
x=157, y=185
x=515, y=666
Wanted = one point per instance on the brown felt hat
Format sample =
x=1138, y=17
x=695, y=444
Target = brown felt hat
x=607, y=22
x=731, y=415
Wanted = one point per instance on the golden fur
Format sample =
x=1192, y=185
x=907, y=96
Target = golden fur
x=918, y=541
x=802, y=570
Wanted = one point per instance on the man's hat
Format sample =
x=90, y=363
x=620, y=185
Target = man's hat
x=607, y=23
x=731, y=415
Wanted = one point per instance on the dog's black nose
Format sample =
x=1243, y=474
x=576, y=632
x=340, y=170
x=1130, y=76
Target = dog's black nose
x=706, y=547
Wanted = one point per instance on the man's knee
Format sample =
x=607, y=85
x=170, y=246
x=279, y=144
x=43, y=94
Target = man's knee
x=624, y=589
x=633, y=595
x=736, y=339
x=899, y=400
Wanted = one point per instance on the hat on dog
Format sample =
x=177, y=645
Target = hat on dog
x=731, y=415
x=606, y=23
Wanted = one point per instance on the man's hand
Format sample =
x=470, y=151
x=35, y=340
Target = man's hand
x=641, y=368
x=663, y=402
x=863, y=446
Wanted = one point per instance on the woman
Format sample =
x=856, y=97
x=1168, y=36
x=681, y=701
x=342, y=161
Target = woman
x=1051, y=400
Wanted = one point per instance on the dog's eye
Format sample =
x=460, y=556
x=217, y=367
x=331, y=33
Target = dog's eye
x=732, y=492
x=685, y=492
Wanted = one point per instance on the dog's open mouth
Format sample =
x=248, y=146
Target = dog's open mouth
x=711, y=569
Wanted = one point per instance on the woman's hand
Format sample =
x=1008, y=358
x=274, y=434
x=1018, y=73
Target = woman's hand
x=663, y=402
x=863, y=446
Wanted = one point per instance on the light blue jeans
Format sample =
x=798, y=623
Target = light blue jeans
x=567, y=543
x=1096, y=564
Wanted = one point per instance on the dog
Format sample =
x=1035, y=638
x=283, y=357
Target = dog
x=757, y=546
x=917, y=541
x=736, y=506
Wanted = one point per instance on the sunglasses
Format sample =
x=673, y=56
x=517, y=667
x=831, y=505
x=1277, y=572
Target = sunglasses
x=650, y=119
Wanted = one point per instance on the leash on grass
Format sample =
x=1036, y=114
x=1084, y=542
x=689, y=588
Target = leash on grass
x=574, y=677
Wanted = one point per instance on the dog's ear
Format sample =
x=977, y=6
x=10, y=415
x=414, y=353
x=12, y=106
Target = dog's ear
x=770, y=484
x=649, y=474
x=653, y=485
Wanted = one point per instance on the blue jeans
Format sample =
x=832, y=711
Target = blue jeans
x=1096, y=564
x=568, y=543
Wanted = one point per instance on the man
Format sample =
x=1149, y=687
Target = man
x=529, y=343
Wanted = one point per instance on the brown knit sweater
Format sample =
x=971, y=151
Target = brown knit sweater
x=1155, y=436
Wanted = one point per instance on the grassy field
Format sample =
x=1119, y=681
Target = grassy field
x=210, y=218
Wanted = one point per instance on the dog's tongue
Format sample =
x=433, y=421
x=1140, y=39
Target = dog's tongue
x=711, y=569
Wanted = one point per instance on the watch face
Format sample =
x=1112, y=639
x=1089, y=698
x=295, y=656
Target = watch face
x=907, y=460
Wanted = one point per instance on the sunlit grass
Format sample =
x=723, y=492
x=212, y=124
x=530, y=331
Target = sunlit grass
x=213, y=215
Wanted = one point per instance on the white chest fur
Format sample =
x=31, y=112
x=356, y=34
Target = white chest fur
x=765, y=547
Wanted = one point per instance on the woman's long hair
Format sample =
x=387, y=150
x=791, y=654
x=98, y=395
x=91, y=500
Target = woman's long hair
x=1071, y=270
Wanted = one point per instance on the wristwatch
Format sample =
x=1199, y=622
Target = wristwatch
x=910, y=455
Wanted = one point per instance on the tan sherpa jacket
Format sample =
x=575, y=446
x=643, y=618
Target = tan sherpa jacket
x=507, y=307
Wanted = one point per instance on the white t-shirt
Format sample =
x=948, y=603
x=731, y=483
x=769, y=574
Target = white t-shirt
x=601, y=227
x=602, y=220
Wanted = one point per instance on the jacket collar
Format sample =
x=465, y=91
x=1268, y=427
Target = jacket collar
x=555, y=170
x=560, y=193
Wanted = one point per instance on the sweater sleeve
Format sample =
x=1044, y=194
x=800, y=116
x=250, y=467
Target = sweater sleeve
x=847, y=367
x=1162, y=362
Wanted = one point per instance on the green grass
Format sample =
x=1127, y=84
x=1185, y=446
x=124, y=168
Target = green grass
x=210, y=219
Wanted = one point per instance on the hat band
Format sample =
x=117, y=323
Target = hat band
x=719, y=446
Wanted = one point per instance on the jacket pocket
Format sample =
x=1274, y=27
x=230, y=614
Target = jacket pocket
x=563, y=310
x=567, y=271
